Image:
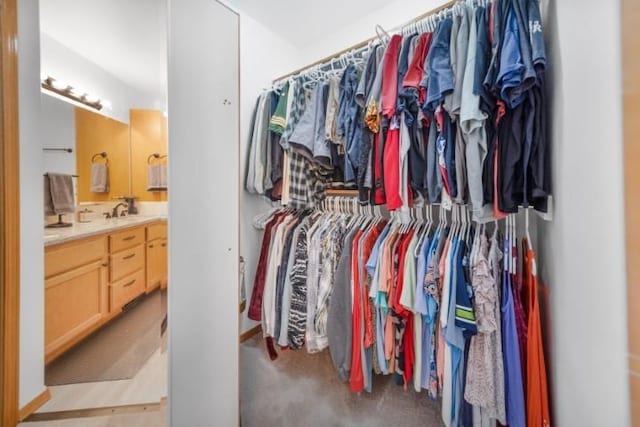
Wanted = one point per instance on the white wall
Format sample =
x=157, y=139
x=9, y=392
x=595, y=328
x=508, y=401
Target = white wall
x=57, y=127
x=263, y=56
x=31, y=207
x=204, y=209
x=582, y=253
x=62, y=63
x=395, y=13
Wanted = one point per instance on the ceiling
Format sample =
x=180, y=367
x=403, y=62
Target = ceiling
x=127, y=38
x=300, y=21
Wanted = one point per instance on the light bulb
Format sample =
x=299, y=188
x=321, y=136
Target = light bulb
x=59, y=84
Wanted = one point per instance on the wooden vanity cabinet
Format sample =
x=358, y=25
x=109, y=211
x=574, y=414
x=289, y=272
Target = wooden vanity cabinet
x=126, y=267
x=156, y=256
x=76, y=292
x=88, y=281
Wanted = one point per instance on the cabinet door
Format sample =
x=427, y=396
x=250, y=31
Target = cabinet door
x=75, y=303
x=154, y=265
x=164, y=263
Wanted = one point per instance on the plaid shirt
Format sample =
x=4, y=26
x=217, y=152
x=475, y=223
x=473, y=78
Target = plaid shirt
x=307, y=183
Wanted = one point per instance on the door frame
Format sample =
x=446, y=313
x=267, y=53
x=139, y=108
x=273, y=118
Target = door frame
x=630, y=38
x=9, y=215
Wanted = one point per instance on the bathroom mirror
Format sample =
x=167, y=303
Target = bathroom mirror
x=110, y=158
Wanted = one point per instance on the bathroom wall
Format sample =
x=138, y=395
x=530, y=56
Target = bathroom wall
x=60, y=62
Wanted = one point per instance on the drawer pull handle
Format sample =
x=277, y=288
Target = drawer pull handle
x=150, y=246
x=105, y=264
x=129, y=256
x=129, y=238
x=126, y=285
x=164, y=244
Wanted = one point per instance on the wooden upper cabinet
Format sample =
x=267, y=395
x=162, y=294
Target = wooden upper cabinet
x=148, y=136
x=96, y=133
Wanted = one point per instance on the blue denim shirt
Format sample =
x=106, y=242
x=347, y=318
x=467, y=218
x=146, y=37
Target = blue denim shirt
x=511, y=67
x=348, y=126
x=439, y=74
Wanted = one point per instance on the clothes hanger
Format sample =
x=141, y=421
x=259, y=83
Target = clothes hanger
x=526, y=225
x=382, y=34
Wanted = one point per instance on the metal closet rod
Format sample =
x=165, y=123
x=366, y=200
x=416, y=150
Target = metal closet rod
x=366, y=42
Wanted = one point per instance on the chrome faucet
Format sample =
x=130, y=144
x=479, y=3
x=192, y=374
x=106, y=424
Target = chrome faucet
x=114, y=213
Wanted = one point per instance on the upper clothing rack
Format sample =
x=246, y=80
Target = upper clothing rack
x=365, y=43
x=330, y=59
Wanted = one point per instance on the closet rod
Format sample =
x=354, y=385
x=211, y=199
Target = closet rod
x=445, y=6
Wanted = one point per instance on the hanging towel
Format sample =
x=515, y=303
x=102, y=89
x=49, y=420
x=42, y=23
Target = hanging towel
x=154, y=178
x=163, y=177
x=99, y=178
x=58, y=194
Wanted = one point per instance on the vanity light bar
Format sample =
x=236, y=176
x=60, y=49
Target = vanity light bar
x=68, y=91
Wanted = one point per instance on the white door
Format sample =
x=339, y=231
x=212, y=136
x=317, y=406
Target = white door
x=203, y=207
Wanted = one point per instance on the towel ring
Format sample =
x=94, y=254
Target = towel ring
x=155, y=156
x=103, y=155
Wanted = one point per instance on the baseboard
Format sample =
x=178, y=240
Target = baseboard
x=250, y=333
x=36, y=403
x=95, y=412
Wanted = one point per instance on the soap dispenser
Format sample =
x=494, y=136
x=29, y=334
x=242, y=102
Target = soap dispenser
x=83, y=215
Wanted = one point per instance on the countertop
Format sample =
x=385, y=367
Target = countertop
x=55, y=236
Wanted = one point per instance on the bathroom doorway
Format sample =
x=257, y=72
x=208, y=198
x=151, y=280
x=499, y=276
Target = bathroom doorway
x=104, y=126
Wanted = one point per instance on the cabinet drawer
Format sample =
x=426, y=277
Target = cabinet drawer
x=126, y=239
x=67, y=256
x=125, y=290
x=126, y=262
x=157, y=231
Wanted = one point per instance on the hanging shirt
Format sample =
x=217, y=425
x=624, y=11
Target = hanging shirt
x=516, y=413
x=439, y=76
x=390, y=77
x=537, y=389
x=392, y=167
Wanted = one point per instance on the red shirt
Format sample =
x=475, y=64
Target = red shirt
x=390, y=77
x=416, y=68
x=391, y=165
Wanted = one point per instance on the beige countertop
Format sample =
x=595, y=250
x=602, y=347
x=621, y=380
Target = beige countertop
x=55, y=236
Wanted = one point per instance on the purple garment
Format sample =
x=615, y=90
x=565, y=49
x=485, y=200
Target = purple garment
x=514, y=390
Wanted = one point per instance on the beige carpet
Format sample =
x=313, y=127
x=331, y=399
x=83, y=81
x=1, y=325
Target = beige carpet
x=118, y=350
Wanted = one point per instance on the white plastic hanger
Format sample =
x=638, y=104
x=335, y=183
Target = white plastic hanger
x=382, y=34
x=526, y=225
